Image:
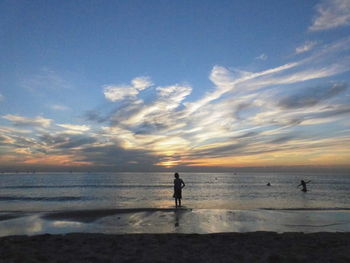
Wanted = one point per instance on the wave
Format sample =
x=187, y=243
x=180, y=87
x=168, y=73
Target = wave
x=55, y=198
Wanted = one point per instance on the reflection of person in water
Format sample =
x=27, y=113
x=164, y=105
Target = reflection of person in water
x=177, y=219
x=178, y=185
x=303, y=184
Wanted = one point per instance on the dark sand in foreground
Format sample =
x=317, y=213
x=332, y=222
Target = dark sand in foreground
x=226, y=247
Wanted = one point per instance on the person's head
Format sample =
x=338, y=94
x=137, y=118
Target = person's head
x=176, y=175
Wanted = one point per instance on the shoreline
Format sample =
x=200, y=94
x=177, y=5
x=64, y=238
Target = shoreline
x=170, y=220
x=220, y=247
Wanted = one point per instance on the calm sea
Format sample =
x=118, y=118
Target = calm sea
x=68, y=191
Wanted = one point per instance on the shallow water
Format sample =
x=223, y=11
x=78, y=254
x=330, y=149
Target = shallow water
x=200, y=221
x=142, y=203
x=70, y=191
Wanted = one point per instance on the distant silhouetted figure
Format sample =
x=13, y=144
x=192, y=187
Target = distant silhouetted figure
x=268, y=184
x=178, y=185
x=303, y=184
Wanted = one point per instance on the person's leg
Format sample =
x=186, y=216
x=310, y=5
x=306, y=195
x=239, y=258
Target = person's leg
x=179, y=201
x=175, y=202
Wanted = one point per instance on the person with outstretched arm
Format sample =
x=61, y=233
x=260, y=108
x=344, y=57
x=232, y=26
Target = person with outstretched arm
x=303, y=184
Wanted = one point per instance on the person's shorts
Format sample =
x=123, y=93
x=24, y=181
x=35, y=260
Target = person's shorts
x=177, y=194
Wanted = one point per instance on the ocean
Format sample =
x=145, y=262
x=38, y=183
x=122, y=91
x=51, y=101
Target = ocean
x=58, y=191
x=207, y=198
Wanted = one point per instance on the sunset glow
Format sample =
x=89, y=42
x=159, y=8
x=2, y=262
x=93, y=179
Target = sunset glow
x=133, y=85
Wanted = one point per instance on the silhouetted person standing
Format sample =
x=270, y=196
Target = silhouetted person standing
x=303, y=184
x=178, y=185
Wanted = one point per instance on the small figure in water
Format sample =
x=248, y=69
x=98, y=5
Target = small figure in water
x=268, y=184
x=303, y=184
x=178, y=185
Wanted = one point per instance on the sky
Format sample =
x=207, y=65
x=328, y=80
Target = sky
x=174, y=85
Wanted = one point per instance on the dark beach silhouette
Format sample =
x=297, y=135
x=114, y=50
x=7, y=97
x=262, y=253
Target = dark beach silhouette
x=303, y=184
x=178, y=185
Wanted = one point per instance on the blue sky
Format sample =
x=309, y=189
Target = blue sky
x=132, y=85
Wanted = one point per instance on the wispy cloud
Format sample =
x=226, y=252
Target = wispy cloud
x=73, y=128
x=262, y=56
x=66, y=141
x=18, y=120
x=307, y=46
x=266, y=117
x=45, y=80
x=11, y=130
x=59, y=107
x=157, y=113
x=331, y=14
x=311, y=96
x=243, y=115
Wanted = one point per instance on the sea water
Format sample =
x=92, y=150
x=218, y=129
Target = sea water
x=37, y=203
x=35, y=192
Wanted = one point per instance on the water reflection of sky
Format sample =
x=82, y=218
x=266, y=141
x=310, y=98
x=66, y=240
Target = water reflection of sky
x=184, y=221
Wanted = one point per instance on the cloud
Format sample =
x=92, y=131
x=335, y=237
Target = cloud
x=173, y=95
x=242, y=115
x=119, y=92
x=219, y=150
x=331, y=112
x=311, y=96
x=11, y=130
x=267, y=116
x=24, y=121
x=228, y=81
x=59, y=107
x=118, y=158
x=157, y=115
x=262, y=57
x=307, y=46
x=46, y=79
x=2, y=98
x=95, y=116
x=282, y=139
x=67, y=141
x=73, y=128
x=141, y=83
x=246, y=135
x=5, y=140
x=331, y=14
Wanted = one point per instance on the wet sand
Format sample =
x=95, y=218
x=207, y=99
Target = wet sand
x=224, y=247
x=172, y=221
x=175, y=235
x=88, y=216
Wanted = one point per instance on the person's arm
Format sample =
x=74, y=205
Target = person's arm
x=308, y=182
x=183, y=184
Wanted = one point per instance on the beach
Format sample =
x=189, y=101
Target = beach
x=123, y=218
x=223, y=247
x=172, y=221
x=175, y=235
